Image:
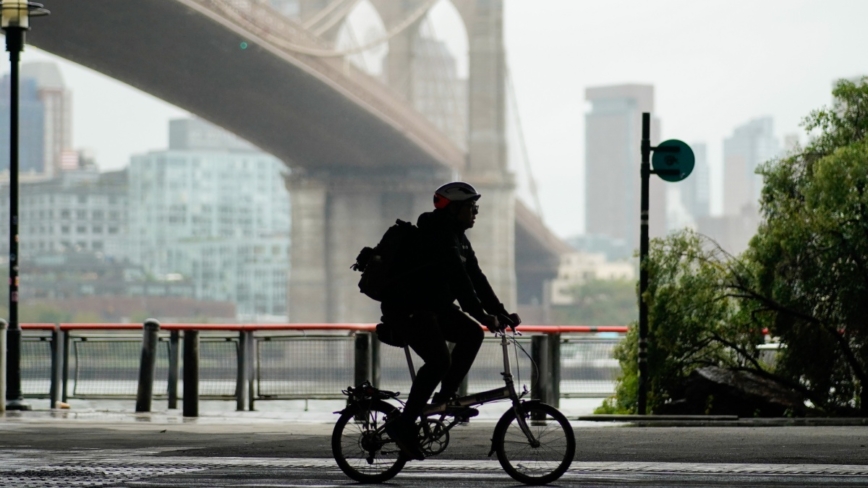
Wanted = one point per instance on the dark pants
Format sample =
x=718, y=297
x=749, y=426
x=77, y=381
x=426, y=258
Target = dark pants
x=426, y=333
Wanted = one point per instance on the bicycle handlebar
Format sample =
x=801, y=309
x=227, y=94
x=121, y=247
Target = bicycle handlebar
x=507, y=321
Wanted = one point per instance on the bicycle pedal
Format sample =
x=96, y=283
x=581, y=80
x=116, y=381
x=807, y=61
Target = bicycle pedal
x=462, y=414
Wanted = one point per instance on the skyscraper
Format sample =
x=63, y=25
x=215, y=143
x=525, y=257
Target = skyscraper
x=31, y=127
x=613, y=132
x=696, y=189
x=57, y=116
x=750, y=145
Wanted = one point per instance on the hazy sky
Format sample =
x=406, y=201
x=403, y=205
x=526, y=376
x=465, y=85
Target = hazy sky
x=714, y=65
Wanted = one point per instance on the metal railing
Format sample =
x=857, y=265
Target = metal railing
x=256, y=362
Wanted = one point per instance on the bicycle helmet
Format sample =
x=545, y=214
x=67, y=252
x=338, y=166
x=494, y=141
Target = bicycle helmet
x=457, y=191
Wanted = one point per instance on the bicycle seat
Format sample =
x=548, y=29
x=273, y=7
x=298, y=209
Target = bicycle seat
x=390, y=335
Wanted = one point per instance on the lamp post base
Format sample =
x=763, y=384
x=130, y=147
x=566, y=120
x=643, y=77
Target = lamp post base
x=17, y=405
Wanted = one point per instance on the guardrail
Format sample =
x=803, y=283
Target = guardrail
x=258, y=362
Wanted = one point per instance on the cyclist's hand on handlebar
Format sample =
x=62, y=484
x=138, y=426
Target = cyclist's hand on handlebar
x=491, y=322
x=516, y=320
x=512, y=320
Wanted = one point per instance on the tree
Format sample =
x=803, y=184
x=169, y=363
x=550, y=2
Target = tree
x=811, y=253
x=693, y=322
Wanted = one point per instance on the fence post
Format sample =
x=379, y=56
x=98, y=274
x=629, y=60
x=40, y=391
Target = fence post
x=3, y=326
x=362, y=358
x=241, y=377
x=65, y=367
x=56, y=366
x=539, y=368
x=147, y=365
x=174, y=367
x=191, y=373
x=554, y=342
x=252, y=364
x=375, y=361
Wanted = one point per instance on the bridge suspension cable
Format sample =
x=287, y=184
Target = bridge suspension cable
x=414, y=16
x=334, y=19
x=320, y=15
x=513, y=102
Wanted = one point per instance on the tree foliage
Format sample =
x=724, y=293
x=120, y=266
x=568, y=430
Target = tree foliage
x=804, y=279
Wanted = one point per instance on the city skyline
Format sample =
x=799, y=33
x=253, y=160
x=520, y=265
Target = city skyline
x=705, y=87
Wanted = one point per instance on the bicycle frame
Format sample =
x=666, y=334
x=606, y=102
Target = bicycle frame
x=488, y=396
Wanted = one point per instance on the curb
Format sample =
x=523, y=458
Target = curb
x=724, y=421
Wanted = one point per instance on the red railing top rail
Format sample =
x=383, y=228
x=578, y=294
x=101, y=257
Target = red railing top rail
x=45, y=326
x=540, y=329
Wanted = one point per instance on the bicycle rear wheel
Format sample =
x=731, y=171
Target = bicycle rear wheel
x=546, y=460
x=361, y=447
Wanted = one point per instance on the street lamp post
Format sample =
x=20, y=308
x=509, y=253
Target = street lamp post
x=15, y=20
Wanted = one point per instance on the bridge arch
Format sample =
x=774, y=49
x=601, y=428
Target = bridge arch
x=428, y=62
x=363, y=25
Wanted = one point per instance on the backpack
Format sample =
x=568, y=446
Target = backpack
x=383, y=265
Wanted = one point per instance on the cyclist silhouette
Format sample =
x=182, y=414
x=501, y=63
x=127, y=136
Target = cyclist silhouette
x=424, y=313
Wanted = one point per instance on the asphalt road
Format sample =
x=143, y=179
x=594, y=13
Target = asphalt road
x=146, y=451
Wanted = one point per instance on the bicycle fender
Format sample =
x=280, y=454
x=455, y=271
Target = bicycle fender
x=504, y=419
x=394, y=409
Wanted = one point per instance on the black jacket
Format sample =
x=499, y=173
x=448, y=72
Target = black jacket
x=448, y=271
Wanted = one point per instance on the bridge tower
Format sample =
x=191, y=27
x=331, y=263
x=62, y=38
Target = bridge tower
x=335, y=212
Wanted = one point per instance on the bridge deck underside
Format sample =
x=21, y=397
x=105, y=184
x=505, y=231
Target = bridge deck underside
x=196, y=61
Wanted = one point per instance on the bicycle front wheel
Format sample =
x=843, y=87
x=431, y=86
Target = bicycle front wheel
x=361, y=447
x=544, y=460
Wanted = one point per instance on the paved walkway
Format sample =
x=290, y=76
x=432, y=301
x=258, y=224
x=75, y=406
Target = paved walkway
x=122, y=449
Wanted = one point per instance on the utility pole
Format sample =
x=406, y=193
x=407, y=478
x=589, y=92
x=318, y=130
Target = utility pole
x=15, y=20
x=673, y=161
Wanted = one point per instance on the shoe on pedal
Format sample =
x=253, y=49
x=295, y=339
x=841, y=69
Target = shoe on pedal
x=406, y=437
x=462, y=414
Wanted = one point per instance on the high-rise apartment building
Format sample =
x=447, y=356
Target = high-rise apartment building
x=81, y=211
x=213, y=209
x=57, y=116
x=750, y=145
x=613, y=132
x=696, y=188
x=31, y=126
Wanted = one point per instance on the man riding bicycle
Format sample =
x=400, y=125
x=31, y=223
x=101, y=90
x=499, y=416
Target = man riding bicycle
x=423, y=308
